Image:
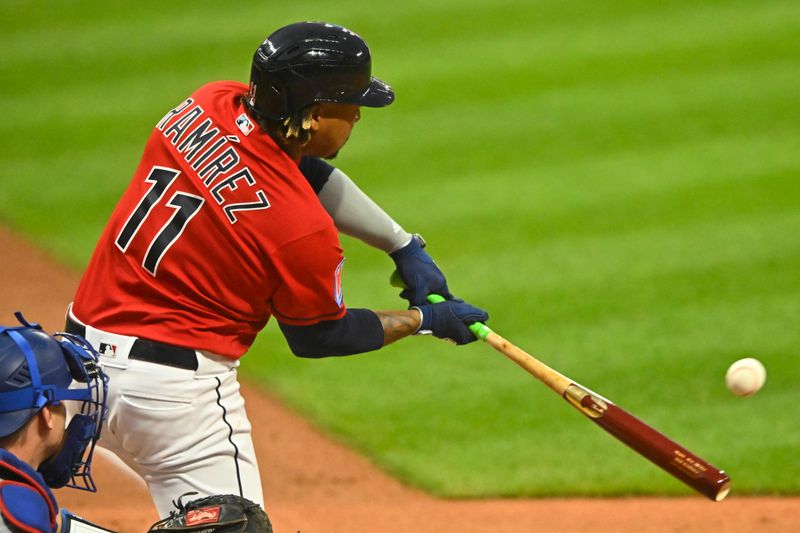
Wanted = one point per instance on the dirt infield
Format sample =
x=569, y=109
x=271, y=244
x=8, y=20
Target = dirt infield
x=314, y=485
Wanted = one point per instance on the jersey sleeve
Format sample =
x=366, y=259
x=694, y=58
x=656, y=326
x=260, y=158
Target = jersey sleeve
x=359, y=331
x=316, y=171
x=310, y=279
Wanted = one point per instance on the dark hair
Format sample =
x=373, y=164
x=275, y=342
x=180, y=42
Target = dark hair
x=295, y=126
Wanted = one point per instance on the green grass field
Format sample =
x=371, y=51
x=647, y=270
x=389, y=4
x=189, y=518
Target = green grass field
x=617, y=182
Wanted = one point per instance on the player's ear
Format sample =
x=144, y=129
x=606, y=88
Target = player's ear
x=53, y=414
x=46, y=417
x=316, y=114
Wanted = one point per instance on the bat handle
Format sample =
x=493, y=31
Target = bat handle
x=479, y=329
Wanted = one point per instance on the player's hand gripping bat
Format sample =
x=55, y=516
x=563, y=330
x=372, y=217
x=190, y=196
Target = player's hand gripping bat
x=659, y=449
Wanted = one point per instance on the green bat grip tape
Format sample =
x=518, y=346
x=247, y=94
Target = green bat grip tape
x=479, y=329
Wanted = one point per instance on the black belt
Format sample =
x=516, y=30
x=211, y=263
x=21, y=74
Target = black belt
x=150, y=351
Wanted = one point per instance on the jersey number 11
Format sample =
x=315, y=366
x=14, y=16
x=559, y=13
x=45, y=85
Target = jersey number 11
x=185, y=206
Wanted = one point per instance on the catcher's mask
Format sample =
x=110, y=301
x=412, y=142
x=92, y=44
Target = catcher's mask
x=37, y=369
x=308, y=62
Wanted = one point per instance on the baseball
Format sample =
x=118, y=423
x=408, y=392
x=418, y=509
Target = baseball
x=745, y=377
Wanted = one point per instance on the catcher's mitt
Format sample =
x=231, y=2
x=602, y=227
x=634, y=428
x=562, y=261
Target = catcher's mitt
x=226, y=513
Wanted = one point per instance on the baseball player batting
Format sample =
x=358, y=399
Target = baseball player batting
x=232, y=217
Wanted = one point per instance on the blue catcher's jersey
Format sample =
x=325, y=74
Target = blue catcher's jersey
x=26, y=503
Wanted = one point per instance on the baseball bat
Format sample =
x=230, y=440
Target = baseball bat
x=651, y=444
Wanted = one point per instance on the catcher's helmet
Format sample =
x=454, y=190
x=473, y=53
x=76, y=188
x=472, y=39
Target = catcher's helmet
x=36, y=370
x=309, y=62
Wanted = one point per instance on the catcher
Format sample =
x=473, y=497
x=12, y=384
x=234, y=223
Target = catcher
x=39, y=374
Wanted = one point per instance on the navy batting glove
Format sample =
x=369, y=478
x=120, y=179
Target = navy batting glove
x=449, y=320
x=419, y=273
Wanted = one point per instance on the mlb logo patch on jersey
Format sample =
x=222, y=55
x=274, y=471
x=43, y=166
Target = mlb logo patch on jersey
x=107, y=350
x=245, y=124
x=337, y=284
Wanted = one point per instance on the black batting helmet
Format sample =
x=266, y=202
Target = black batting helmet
x=309, y=62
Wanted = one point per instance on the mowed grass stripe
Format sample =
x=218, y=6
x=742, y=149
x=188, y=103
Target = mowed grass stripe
x=590, y=119
x=664, y=184
x=581, y=47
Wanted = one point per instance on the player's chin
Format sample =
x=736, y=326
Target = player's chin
x=338, y=149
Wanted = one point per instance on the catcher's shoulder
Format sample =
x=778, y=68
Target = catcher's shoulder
x=25, y=508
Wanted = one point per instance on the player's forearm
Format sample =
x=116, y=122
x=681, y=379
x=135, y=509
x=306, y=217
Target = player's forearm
x=359, y=331
x=398, y=324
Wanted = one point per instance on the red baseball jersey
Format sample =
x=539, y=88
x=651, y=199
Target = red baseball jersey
x=217, y=231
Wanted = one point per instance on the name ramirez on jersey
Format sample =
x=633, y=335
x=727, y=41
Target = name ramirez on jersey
x=211, y=154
